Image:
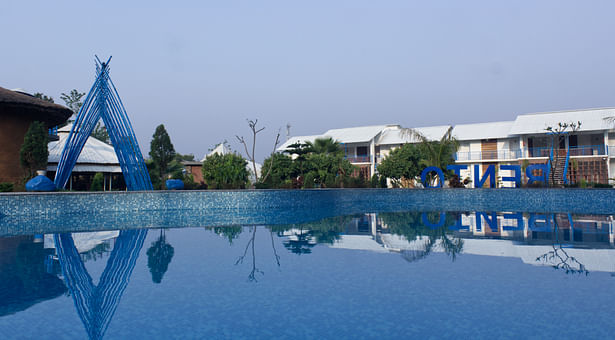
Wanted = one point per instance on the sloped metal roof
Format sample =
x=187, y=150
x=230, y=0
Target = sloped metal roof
x=482, y=130
x=359, y=134
x=591, y=120
x=94, y=152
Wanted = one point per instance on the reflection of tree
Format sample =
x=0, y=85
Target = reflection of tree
x=230, y=233
x=411, y=226
x=303, y=237
x=159, y=256
x=301, y=242
x=250, y=246
x=559, y=258
x=97, y=252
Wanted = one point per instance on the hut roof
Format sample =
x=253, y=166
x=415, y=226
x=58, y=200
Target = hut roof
x=17, y=103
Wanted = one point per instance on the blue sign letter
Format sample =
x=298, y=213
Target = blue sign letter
x=439, y=173
x=516, y=177
x=489, y=172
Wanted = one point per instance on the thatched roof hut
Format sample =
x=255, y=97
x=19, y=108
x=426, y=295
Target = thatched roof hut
x=13, y=103
x=17, y=111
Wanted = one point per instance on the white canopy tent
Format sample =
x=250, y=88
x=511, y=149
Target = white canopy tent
x=97, y=156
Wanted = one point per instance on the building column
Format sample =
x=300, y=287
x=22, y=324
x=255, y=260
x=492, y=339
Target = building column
x=606, y=152
x=372, y=157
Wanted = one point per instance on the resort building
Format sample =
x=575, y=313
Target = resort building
x=361, y=144
x=582, y=155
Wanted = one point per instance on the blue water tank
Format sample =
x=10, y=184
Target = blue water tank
x=40, y=183
x=174, y=184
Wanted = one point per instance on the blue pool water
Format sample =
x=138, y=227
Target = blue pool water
x=308, y=264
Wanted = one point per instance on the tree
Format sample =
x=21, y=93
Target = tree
x=325, y=146
x=161, y=151
x=327, y=170
x=34, y=153
x=225, y=171
x=74, y=103
x=282, y=171
x=97, y=182
x=251, y=158
x=402, y=165
x=44, y=97
x=159, y=256
x=439, y=153
x=73, y=100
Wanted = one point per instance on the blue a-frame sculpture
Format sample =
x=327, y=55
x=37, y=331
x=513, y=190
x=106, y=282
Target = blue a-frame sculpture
x=104, y=102
x=96, y=304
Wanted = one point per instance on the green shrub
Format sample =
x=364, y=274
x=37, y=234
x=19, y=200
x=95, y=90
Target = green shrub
x=97, y=182
x=6, y=187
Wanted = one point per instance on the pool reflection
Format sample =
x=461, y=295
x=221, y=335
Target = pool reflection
x=572, y=244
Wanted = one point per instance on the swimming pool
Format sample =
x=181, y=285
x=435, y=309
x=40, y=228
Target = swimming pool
x=308, y=264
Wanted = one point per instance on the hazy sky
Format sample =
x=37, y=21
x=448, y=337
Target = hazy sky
x=203, y=67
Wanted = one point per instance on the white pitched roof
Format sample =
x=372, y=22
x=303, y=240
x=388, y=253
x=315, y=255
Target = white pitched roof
x=361, y=134
x=482, y=130
x=398, y=136
x=591, y=120
x=96, y=156
x=220, y=149
x=358, y=134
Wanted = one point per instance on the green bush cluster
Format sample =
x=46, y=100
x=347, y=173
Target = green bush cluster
x=225, y=171
x=6, y=187
x=314, y=165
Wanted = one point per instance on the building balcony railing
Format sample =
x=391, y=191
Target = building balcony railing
x=589, y=150
x=358, y=159
x=487, y=155
x=580, y=150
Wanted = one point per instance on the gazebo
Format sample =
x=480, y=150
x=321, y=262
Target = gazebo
x=17, y=111
x=96, y=156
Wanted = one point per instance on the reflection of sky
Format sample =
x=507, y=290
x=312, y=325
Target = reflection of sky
x=335, y=292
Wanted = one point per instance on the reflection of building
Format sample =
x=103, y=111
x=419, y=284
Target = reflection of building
x=588, y=240
x=26, y=275
x=521, y=141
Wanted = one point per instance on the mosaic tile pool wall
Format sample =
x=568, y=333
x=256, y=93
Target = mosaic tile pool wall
x=29, y=212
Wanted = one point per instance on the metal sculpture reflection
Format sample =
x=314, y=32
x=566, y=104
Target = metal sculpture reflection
x=96, y=304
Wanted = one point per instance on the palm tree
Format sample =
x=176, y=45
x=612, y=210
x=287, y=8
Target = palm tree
x=325, y=146
x=434, y=153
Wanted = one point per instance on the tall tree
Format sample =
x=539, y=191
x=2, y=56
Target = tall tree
x=161, y=151
x=34, y=153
